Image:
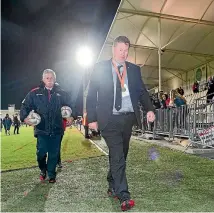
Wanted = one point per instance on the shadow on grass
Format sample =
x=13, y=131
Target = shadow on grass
x=33, y=201
x=86, y=143
x=115, y=205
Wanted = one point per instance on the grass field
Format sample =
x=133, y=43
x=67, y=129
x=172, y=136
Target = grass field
x=173, y=182
x=19, y=151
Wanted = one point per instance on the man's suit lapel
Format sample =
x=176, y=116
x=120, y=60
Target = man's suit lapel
x=131, y=84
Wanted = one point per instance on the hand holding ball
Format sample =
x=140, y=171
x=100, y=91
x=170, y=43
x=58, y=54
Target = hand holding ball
x=33, y=118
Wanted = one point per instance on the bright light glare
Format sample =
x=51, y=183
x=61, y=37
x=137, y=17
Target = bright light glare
x=84, y=56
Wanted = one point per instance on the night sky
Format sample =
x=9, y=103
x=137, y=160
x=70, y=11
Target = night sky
x=40, y=34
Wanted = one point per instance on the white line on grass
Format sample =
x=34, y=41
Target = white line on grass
x=98, y=147
x=93, y=143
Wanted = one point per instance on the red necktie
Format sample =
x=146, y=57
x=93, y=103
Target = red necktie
x=49, y=95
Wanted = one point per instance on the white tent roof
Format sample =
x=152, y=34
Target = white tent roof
x=186, y=35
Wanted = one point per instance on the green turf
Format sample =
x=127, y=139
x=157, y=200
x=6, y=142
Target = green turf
x=81, y=185
x=19, y=151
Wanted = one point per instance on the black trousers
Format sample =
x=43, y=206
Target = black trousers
x=86, y=131
x=16, y=129
x=7, y=130
x=117, y=135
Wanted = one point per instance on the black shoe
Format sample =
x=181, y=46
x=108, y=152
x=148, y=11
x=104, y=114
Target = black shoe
x=59, y=166
x=111, y=193
x=42, y=176
x=52, y=180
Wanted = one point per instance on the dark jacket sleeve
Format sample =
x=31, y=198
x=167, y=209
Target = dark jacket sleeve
x=91, y=100
x=144, y=96
x=27, y=106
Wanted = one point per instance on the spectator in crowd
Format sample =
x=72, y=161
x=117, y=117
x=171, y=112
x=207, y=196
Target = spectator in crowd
x=195, y=87
x=155, y=101
x=47, y=100
x=210, y=91
x=170, y=100
x=16, y=123
x=80, y=123
x=163, y=101
x=210, y=81
x=179, y=100
x=167, y=100
x=180, y=91
x=7, y=122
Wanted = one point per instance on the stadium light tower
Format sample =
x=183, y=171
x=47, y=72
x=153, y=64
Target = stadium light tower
x=84, y=58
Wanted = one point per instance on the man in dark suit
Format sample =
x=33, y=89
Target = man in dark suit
x=115, y=89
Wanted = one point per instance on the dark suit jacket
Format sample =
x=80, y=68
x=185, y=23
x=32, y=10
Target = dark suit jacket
x=100, y=98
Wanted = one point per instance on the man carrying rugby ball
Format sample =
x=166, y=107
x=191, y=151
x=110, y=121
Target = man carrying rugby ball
x=47, y=101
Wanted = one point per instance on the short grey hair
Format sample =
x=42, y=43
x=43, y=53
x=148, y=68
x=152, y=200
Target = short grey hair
x=46, y=71
x=121, y=39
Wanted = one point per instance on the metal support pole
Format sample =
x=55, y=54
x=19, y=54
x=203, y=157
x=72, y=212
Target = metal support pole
x=171, y=121
x=187, y=86
x=178, y=36
x=164, y=16
x=159, y=52
x=84, y=91
x=84, y=103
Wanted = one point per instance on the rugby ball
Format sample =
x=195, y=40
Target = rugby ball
x=34, y=118
x=66, y=112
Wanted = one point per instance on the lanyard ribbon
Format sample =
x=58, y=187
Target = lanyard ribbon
x=121, y=77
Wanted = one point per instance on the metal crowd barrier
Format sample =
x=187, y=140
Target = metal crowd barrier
x=194, y=122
